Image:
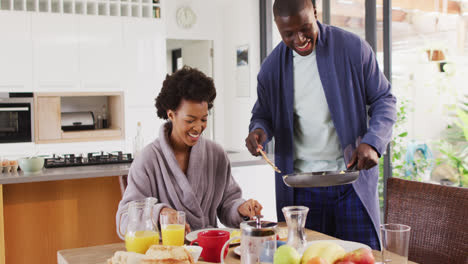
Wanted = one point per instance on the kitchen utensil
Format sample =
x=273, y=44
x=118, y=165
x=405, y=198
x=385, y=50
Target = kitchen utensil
x=295, y=219
x=71, y=121
x=212, y=242
x=320, y=179
x=141, y=229
x=258, y=241
x=269, y=161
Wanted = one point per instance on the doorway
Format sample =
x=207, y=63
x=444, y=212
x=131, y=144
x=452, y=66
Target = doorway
x=196, y=54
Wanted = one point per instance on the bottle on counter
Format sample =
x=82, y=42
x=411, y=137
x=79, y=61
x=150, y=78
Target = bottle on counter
x=138, y=141
x=105, y=123
x=99, y=122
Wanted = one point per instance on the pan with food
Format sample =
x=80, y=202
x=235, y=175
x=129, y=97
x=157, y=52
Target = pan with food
x=321, y=178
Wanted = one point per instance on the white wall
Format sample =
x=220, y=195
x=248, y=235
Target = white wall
x=241, y=27
x=207, y=27
x=195, y=53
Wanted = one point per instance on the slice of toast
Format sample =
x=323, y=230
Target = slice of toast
x=123, y=257
x=156, y=254
x=170, y=254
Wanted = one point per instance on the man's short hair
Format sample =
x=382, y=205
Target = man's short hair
x=289, y=7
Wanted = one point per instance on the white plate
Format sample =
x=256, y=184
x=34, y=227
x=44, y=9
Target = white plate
x=348, y=246
x=193, y=235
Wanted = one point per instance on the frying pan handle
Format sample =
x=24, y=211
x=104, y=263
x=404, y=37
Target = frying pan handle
x=353, y=167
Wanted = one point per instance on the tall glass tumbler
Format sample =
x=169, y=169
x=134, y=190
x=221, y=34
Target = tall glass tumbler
x=172, y=228
x=395, y=243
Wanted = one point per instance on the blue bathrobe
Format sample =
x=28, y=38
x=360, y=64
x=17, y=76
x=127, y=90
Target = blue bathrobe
x=359, y=99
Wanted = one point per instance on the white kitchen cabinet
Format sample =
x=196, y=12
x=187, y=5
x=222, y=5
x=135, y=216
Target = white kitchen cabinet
x=55, y=56
x=15, y=52
x=145, y=60
x=258, y=182
x=100, y=53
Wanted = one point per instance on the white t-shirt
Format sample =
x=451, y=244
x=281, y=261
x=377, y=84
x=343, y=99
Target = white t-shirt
x=317, y=147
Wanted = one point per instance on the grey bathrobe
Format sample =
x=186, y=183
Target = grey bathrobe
x=208, y=190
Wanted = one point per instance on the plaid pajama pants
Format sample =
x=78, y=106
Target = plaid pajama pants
x=337, y=211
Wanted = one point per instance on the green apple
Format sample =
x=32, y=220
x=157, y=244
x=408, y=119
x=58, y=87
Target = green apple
x=286, y=255
x=327, y=250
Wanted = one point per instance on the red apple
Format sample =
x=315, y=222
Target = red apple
x=344, y=262
x=317, y=260
x=358, y=256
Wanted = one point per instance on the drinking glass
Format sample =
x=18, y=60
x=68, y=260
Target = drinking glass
x=295, y=219
x=395, y=243
x=172, y=228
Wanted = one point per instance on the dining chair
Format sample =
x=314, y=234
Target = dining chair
x=123, y=183
x=437, y=215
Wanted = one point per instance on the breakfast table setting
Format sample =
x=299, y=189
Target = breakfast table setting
x=100, y=254
x=257, y=240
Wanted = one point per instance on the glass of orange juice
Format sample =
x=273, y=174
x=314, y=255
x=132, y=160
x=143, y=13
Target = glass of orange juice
x=172, y=228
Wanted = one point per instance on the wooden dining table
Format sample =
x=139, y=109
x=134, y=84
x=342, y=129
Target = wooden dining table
x=100, y=254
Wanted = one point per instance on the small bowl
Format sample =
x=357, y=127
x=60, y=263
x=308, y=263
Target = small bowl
x=195, y=251
x=31, y=165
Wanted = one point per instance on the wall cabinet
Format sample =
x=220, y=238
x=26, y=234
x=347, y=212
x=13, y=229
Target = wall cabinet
x=100, y=54
x=55, y=58
x=48, y=108
x=47, y=124
x=145, y=61
x=15, y=52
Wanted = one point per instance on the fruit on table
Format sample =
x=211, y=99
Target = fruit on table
x=326, y=250
x=235, y=233
x=344, y=262
x=317, y=260
x=286, y=255
x=358, y=256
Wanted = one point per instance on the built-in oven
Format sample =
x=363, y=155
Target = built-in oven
x=16, y=117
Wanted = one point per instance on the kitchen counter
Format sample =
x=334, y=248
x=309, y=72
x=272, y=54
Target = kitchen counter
x=237, y=158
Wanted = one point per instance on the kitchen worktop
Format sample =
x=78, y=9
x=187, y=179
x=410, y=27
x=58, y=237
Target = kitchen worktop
x=237, y=158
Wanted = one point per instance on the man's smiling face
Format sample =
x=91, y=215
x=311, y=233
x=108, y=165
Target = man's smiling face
x=299, y=32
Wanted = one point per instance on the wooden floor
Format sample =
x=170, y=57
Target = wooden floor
x=44, y=217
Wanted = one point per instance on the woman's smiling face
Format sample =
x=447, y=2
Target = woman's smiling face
x=299, y=32
x=188, y=122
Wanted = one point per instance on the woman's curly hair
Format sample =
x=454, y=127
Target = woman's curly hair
x=187, y=83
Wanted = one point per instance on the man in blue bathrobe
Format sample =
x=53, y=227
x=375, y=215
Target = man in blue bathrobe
x=323, y=98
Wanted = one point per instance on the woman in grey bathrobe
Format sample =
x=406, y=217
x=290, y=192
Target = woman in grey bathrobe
x=184, y=171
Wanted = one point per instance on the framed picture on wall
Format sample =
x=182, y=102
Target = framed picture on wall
x=242, y=71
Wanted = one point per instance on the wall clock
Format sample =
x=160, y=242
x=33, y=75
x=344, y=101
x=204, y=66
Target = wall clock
x=186, y=17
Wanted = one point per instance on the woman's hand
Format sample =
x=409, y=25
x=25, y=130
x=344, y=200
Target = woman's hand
x=173, y=217
x=250, y=208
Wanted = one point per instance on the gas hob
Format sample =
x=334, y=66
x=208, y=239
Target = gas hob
x=94, y=158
